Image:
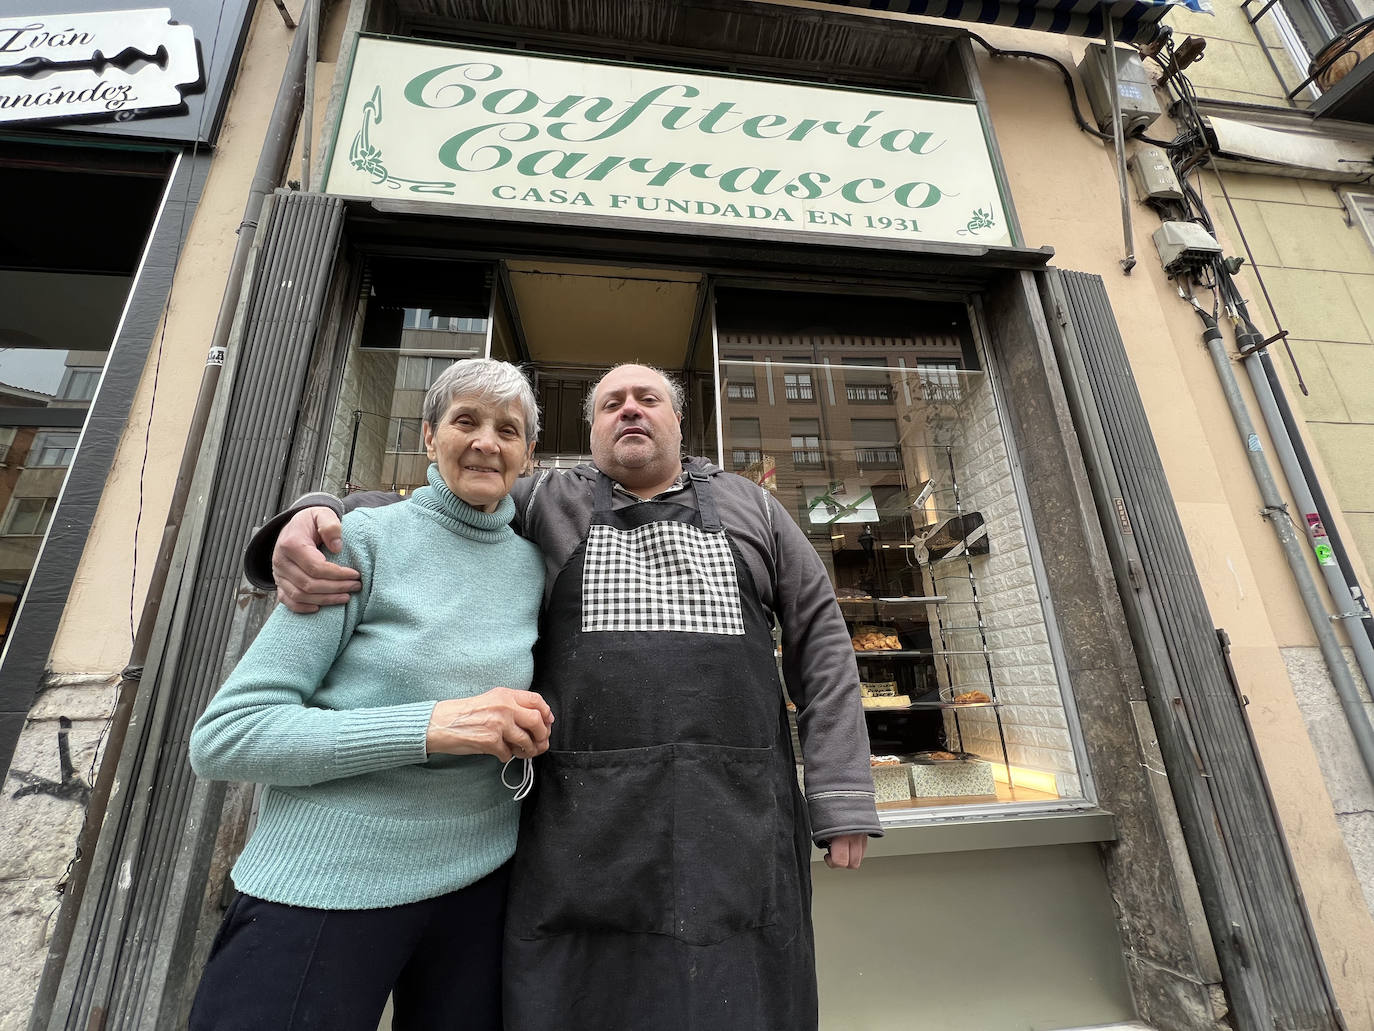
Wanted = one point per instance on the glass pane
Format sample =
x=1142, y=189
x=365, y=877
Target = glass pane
x=895, y=467
x=84, y=218
x=419, y=317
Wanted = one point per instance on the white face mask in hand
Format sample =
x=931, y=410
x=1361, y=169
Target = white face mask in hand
x=526, y=781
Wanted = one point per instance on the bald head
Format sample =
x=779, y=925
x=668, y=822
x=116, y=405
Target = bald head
x=635, y=413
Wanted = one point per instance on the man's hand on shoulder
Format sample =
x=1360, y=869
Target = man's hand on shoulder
x=306, y=579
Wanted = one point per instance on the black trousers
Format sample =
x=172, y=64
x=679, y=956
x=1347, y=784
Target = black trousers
x=285, y=968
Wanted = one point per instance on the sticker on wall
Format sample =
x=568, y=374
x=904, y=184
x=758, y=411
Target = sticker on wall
x=496, y=129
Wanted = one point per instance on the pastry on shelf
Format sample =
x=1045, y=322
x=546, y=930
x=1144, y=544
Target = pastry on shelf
x=851, y=594
x=972, y=698
x=875, y=641
x=899, y=701
x=884, y=760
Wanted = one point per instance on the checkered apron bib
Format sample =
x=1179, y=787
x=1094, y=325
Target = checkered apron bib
x=665, y=833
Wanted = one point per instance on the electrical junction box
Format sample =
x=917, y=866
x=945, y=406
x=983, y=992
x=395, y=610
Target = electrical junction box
x=1184, y=245
x=1154, y=175
x=1136, y=95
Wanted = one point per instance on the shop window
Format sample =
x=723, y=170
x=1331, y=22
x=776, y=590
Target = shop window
x=904, y=485
x=27, y=517
x=83, y=216
x=427, y=306
x=419, y=316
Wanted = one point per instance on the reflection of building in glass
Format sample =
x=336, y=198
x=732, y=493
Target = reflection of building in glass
x=33, y=464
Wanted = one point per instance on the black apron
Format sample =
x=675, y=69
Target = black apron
x=662, y=878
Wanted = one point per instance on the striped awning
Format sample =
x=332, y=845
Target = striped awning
x=1135, y=21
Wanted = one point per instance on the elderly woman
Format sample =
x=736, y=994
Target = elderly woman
x=379, y=861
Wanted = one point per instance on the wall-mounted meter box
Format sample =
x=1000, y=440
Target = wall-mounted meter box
x=1139, y=108
x=1154, y=176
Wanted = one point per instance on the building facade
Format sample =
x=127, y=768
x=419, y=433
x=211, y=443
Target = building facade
x=1115, y=736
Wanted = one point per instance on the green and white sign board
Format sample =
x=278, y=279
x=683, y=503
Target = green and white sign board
x=499, y=129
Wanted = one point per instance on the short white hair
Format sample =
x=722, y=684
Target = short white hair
x=487, y=378
x=675, y=395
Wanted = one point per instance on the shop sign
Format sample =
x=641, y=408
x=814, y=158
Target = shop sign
x=115, y=64
x=490, y=128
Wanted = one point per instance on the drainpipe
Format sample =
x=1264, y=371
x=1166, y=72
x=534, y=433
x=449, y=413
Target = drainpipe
x=1348, y=608
x=1119, y=142
x=272, y=164
x=1278, y=516
x=1352, y=580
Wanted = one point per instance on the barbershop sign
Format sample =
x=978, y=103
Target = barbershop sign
x=115, y=64
x=490, y=128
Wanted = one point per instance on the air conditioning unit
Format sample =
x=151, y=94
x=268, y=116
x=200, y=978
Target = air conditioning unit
x=1184, y=245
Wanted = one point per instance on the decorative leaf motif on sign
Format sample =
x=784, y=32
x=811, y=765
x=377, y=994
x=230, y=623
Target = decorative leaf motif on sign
x=366, y=156
x=980, y=219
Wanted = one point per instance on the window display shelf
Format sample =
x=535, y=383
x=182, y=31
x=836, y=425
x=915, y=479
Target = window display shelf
x=912, y=653
x=895, y=653
x=923, y=600
x=924, y=706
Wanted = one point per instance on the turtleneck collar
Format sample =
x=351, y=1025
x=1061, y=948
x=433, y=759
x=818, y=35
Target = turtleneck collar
x=460, y=517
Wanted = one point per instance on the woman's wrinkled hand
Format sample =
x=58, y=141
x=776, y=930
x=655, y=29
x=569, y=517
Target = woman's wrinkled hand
x=500, y=722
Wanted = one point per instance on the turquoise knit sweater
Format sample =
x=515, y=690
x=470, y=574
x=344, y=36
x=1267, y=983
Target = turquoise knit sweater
x=330, y=711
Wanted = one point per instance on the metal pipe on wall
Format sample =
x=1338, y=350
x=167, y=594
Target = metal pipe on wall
x=1119, y=142
x=1277, y=514
x=1354, y=590
x=312, y=35
x=1310, y=521
x=276, y=153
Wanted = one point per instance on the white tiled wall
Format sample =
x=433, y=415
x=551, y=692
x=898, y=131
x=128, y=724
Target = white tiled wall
x=1023, y=674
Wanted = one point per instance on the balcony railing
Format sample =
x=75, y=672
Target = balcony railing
x=741, y=391
x=940, y=391
x=868, y=392
x=803, y=457
x=742, y=458
x=799, y=392
x=878, y=457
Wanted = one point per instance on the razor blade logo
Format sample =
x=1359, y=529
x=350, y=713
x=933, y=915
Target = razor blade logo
x=112, y=64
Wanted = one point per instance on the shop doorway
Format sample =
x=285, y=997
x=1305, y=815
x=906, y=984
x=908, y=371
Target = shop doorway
x=576, y=321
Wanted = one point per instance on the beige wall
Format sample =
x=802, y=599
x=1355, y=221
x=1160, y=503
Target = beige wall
x=892, y=939
x=1066, y=197
x=1317, y=264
